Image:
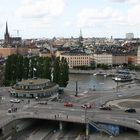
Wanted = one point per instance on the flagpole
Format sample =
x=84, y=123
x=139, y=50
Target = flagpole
x=34, y=69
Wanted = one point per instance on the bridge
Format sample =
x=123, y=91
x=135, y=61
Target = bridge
x=99, y=119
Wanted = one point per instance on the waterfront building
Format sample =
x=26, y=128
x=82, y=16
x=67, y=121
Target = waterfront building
x=119, y=59
x=76, y=58
x=33, y=88
x=103, y=58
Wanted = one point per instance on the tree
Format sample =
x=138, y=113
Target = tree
x=63, y=74
x=25, y=68
x=47, y=68
x=56, y=70
x=19, y=67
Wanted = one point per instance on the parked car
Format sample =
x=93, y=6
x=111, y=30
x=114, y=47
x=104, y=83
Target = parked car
x=130, y=110
x=86, y=106
x=15, y=101
x=105, y=108
x=68, y=104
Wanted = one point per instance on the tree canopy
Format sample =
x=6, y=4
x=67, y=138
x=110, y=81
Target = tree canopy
x=19, y=67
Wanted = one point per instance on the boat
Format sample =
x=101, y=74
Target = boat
x=122, y=76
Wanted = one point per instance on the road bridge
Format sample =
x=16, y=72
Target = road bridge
x=66, y=114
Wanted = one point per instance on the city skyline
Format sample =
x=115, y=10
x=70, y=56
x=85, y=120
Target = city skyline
x=62, y=18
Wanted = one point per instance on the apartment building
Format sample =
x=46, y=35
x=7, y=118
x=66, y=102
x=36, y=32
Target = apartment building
x=77, y=59
x=103, y=58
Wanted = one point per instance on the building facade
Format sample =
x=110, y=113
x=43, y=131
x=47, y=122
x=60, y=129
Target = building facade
x=5, y=52
x=103, y=58
x=120, y=59
x=138, y=55
x=76, y=59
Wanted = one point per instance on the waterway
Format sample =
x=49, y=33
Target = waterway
x=91, y=82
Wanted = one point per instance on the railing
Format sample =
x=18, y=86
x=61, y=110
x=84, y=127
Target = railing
x=100, y=127
x=126, y=122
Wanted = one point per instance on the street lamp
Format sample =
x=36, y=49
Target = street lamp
x=117, y=86
x=76, y=88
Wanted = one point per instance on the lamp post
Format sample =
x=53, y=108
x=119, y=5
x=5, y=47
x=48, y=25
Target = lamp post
x=76, y=88
x=117, y=86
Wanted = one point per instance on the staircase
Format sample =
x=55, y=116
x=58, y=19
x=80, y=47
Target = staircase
x=100, y=127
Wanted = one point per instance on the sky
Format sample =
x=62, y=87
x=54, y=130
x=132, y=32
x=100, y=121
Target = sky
x=65, y=18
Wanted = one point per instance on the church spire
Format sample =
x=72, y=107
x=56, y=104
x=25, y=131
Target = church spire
x=80, y=32
x=81, y=39
x=6, y=28
x=7, y=38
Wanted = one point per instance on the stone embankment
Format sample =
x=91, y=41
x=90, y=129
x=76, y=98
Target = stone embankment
x=135, y=74
x=94, y=72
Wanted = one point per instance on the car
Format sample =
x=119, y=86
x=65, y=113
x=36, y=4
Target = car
x=105, y=108
x=15, y=101
x=86, y=106
x=68, y=104
x=43, y=102
x=130, y=110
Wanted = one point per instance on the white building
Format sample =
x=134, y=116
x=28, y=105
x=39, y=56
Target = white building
x=129, y=35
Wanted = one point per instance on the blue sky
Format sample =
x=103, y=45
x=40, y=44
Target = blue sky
x=65, y=18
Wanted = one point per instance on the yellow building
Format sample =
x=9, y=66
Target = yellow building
x=76, y=59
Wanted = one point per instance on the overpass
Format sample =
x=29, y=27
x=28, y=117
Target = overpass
x=97, y=118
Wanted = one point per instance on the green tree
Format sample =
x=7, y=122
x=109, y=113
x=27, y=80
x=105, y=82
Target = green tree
x=56, y=70
x=47, y=66
x=63, y=73
x=19, y=67
x=25, y=68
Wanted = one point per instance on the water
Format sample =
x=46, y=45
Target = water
x=90, y=82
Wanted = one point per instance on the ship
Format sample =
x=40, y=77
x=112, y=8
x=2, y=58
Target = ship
x=122, y=76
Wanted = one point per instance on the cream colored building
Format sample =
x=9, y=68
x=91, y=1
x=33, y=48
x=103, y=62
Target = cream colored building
x=103, y=58
x=77, y=59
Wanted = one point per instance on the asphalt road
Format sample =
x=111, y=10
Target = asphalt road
x=56, y=108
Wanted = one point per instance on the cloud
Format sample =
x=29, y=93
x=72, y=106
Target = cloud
x=126, y=1
x=40, y=8
x=133, y=15
x=89, y=17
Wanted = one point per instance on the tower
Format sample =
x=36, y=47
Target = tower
x=7, y=39
x=81, y=39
